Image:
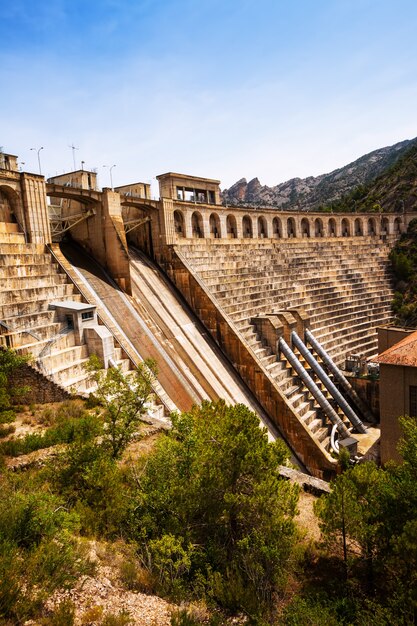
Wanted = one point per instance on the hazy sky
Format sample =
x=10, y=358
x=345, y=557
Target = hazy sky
x=217, y=88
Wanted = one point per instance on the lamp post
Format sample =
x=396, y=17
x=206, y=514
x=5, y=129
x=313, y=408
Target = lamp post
x=39, y=158
x=111, y=177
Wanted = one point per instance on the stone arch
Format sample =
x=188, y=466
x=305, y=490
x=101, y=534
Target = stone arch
x=305, y=227
x=215, y=230
x=358, y=227
x=331, y=227
x=262, y=227
x=371, y=226
x=318, y=227
x=197, y=225
x=179, y=224
x=9, y=200
x=345, y=227
x=384, y=226
x=291, y=231
x=398, y=225
x=231, y=227
x=276, y=228
x=247, y=227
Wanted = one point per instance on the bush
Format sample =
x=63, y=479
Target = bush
x=135, y=577
x=63, y=615
x=66, y=430
x=38, y=551
x=117, y=619
x=6, y=430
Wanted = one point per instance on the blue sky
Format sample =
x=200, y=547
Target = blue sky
x=224, y=89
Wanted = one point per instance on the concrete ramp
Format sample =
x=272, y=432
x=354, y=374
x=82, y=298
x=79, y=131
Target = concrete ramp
x=184, y=337
x=155, y=322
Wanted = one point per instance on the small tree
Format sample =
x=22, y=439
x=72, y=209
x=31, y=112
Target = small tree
x=350, y=515
x=213, y=485
x=125, y=399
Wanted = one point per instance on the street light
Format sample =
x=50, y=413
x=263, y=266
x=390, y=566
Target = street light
x=111, y=177
x=39, y=158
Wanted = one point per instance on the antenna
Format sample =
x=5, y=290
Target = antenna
x=73, y=148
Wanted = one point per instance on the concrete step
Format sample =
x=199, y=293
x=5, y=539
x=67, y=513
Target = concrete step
x=51, y=293
x=14, y=238
x=32, y=306
x=9, y=227
x=21, y=283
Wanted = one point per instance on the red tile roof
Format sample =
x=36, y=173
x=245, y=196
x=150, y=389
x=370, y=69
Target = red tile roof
x=402, y=353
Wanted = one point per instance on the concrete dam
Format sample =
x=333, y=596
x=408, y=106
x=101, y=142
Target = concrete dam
x=212, y=294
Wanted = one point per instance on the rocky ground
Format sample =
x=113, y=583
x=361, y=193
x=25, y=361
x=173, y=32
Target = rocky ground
x=104, y=593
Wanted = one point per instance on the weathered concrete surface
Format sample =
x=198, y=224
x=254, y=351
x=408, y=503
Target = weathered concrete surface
x=311, y=454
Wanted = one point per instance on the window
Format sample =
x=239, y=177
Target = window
x=413, y=400
x=88, y=315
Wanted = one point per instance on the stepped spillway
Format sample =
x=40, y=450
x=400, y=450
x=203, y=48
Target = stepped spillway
x=344, y=285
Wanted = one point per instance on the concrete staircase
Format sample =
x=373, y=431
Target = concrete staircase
x=293, y=389
x=29, y=281
x=344, y=285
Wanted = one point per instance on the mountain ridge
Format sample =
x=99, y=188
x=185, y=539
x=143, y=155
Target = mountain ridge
x=314, y=191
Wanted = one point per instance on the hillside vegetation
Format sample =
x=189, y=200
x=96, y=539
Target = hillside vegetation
x=199, y=516
x=395, y=190
x=404, y=263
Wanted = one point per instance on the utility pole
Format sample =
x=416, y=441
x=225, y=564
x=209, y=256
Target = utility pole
x=39, y=158
x=73, y=148
x=111, y=177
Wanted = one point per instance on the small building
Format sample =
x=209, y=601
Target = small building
x=82, y=319
x=135, y=190
x=397, y=391
x=185, y=188
x=8, y=162
x=80, y=179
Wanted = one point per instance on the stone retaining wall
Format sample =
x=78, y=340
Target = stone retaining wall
x=42, y=389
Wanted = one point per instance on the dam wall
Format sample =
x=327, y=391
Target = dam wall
x=343, y=286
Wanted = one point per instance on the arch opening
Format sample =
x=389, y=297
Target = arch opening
x=8, y=202
x=247, y=227
x=276, y=228
x=345, y=227
x=332, y=227
x=179, y=224
x=305, y=227
x=397, y=225
x=197, y=225
x=371, y=226
x=291, y=227
x=231, y=227
x=318, y=227
x=214, y=222
x=262, y=227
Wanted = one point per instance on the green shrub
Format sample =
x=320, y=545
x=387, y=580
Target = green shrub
x=309, y=612
x=38, y=550
x=117, y=619
x=183, y=618
x=135, y=577
x=66, y=430
x=7, y=417
x=6, y=430
x=63, y=615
